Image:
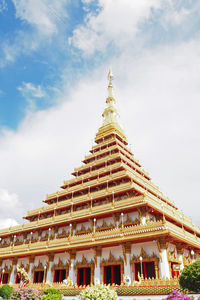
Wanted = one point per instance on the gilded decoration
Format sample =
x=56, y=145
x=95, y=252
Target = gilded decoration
x=126, y=248
x=84, y=263
x=23, y=266
x=179, y=248
x=61, y=265
x=129, y=222
x=171, y=256
x=112, y=261
x=104, y=226
x=145, y=258
x=186, y=259
x=62, y=234
x=6, y=269
x=40, y=267
x=83, y=230
x=97, y=252
x=23, y=274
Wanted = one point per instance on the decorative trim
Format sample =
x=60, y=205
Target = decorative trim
x=84, y=263
x=104, y=226
x=145, y=258
x=61, y=265
x=22, y=266
x=113, y=261
x=97, y=252
x=39, y=267
x=172, y=257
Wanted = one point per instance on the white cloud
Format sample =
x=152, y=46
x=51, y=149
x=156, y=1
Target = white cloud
x=6, y=223
x=3, y=6
x=30, y=90
x=10, y=207
x=117, y=21
x=45, y=19
x=122, y=23
x=42, y=14
x=158, y=95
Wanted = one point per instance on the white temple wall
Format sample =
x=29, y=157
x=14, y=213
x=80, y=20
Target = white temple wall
x=148, y=247
x=133, y=215
x=23, y=260
x=43, y=259
x=63, y=256
x=172, y=247
x=116, y=251
x=85, y=224
x=109, y=220
x=88, y=254
x=7, y=262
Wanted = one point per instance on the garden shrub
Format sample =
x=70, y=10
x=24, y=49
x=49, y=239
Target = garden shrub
x=51, y=294
x=98, y=292
x=190, y=278
x=25, y=294
x=6, y=291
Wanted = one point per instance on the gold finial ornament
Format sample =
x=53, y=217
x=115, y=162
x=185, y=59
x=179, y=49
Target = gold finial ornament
x=110, y=114
x=110, y=86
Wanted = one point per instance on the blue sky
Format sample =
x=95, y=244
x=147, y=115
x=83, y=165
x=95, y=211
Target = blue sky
x=54, y=58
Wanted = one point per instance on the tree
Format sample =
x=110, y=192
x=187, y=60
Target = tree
x=190, y=277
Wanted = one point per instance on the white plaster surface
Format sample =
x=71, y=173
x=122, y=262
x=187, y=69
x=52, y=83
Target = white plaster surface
x=115, y=251
x=88, y=254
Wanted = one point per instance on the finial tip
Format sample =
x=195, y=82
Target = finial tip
x=110, y=75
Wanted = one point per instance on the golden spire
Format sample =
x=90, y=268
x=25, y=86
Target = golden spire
x=110, y=86
x=110, y=114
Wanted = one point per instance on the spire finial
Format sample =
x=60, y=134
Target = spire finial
x=110, y=76
x=110, y=86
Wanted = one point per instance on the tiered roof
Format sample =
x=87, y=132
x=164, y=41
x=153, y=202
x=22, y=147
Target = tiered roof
x=110, y=181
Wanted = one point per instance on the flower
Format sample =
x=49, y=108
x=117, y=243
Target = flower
x=98, y=292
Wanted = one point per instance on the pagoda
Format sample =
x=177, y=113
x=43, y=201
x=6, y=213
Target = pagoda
x=107, y=224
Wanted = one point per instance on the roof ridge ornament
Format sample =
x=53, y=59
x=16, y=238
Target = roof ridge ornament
x=110, y=86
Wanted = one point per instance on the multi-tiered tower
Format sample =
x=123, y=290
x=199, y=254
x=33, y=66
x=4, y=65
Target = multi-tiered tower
x=108, y=222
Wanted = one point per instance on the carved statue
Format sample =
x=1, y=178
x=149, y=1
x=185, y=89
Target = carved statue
x=23, y=275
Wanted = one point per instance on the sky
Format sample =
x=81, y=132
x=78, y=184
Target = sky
x=54, y=61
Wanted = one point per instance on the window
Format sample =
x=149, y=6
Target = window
x=83, y=276
x=175, y=270
x=148, y=270
x=112, y=274
x=18, y=278
x=38, y=276
x=4, y=278
x=59, y=275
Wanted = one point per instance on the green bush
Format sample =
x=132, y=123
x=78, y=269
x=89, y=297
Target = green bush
x=51, y=294
x=6, y=291
x=190, y=278
x=52, y=297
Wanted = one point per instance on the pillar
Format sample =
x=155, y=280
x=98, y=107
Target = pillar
x=97, y=269
x=31, y=262
x=127, y=259
x=49, y=275
x=13, y=273
x=180, y=249
x=163, y=263
x=72, y=274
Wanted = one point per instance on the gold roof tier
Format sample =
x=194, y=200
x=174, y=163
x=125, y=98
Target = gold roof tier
x=109, y=182
x=135, y=233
